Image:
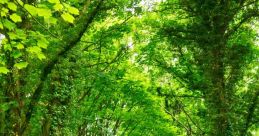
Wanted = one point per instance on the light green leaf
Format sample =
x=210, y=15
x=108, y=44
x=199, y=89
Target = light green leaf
x=9, y=25
x=68, y=17
x=58, y=7
x=16, y=18
x=73, y=10
x=4, y=70
x=41, y=56
x=12, y=35
x=34, y=49
x=4, y=12
x=1, y=26
x=37, y=51
x=21, y=65
x=42, y=43
x=54, y=1
x=12, y=6
x=3, y=1
x=21, y=34
x=7, y=47
x=52, y=20
x=19, y=46
x=31, y=9
x=46, y=13
x=20, y=2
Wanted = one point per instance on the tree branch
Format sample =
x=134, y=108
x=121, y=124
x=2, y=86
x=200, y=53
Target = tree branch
x=245, y=19
x=49, y=67
x=251, y=110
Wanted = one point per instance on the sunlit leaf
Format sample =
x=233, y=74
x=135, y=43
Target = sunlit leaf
x=8, y=24
x=34, y=49
x=41, y=56
x=31, y=9
x=20, y=46
x=12, y=6
x=7, y=47
x=3, y=1
x=16, y=18
x=1, y=26
x=73, y=10
x=53, y=1
x=46, y=13
x=58, y=7
x=68, y=17
x=42, y=43
x=21, y=65
x=4, y=70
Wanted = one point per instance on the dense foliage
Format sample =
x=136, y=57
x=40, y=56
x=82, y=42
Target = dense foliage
x=129, y=67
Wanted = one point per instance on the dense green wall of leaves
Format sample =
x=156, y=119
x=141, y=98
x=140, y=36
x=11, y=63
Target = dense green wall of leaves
x=129, y=67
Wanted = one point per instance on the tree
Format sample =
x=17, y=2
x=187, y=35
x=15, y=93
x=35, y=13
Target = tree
x=128, y=67
x=49, y=70
x=208, y=47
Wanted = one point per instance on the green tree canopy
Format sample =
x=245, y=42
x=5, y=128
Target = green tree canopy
x=129, y=67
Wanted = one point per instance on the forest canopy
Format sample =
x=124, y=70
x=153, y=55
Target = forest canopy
x=129, y=67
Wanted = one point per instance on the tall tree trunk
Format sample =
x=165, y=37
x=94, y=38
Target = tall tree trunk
x=219, y=97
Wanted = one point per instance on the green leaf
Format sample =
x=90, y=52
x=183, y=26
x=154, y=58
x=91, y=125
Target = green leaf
x=16, y=54
x=4, y=70
x=9, y=25
x=4, y=107
x=20, y=2
x=68, y=17
x=58, y=7
x=3, y=1
x=37, y=51
x=7, y=47
x=31, y=9
x=73, y=10
x=1, y=26
x=41, y=56
x=12, y=35
x=19, y=46
x=21, y=65
x=21, y=34
x=16, y=18
x=52, y=20
x=34, y=49
x=54, y=1
x=4, y=12
x=46, y=13
x=12, y=6
x=42, y=43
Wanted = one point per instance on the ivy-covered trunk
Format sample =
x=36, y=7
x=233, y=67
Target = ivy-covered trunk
x=220, y=96
x=12, y=116
x=217, y=96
